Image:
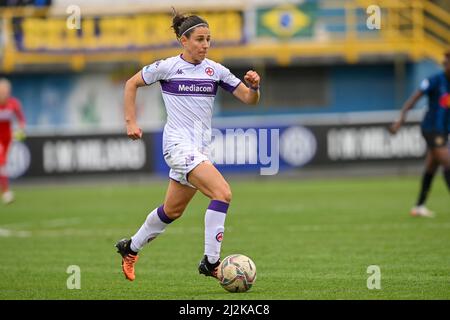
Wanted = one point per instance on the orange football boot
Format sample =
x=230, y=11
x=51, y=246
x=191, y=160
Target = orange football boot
x=128, y=260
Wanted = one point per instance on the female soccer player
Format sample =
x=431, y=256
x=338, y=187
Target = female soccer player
x=9, y=107
x=435, y=130
x=189, y=84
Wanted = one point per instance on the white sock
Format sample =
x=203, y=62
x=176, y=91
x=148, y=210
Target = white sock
x=154, y=225
x=214, y=228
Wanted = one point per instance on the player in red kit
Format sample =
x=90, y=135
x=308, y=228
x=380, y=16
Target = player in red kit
x=9, y=108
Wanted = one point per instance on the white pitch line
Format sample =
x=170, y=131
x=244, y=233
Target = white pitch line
x=14, y=233
x=51, y=223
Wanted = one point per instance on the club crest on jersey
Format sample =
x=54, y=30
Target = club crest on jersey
x=209, y=71
x=219, y=237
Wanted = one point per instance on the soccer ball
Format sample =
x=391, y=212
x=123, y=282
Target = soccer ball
x=236, y=273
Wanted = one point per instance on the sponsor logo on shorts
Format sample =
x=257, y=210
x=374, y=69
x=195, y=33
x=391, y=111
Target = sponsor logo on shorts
x=189, y=159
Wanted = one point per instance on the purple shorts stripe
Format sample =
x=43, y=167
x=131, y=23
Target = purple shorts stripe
x=162, y=215
x=219, y=206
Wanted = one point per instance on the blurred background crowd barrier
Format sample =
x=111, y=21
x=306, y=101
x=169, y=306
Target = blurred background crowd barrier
x=334, y=75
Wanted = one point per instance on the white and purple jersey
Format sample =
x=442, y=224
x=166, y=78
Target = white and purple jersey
x=188, y=91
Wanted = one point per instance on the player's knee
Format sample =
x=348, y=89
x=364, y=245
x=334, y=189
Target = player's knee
x=228, y=196
x=223, y=194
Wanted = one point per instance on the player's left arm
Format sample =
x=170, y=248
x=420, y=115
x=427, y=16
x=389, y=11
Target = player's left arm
x=250, y=94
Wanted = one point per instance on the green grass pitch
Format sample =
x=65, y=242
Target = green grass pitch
x=310, y=239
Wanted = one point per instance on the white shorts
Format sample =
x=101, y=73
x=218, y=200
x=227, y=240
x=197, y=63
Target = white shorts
x=182, y=159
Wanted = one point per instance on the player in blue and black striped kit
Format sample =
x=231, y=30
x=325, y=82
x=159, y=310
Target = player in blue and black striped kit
x=435, y=130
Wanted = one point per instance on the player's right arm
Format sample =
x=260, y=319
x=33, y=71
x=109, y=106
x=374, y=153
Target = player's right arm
x=156, y=71
x=426, y=86
x=133, y=130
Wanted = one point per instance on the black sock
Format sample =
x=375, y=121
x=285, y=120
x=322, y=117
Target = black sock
x=447, y=178
x=427, y=178
x=128, y=249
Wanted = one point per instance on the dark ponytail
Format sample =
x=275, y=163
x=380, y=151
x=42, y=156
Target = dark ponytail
x=181, y=23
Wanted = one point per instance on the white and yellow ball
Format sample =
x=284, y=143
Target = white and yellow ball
x=236, y=273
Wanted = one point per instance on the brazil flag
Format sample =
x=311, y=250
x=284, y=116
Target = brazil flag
x=287, y=20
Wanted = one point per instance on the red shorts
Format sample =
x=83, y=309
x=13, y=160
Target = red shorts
x=4, y=146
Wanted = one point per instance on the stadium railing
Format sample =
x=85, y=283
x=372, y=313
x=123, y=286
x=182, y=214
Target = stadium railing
x=417, y=29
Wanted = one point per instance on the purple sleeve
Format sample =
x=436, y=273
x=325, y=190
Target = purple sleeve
x=229, y=87
x=228, y=81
